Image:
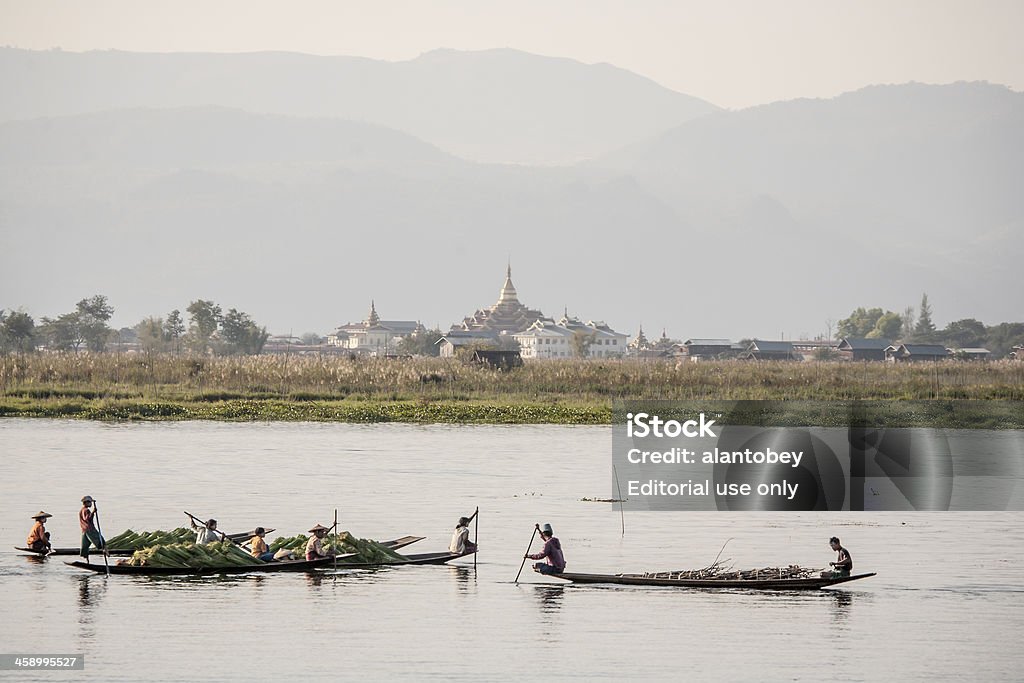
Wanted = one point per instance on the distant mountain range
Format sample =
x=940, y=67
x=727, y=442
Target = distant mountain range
x=757, y=222
x=493, y=105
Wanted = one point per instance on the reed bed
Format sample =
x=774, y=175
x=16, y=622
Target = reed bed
x=435, y=389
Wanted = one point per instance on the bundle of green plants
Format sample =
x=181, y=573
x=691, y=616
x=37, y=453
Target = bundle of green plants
x=135, y=540
x=192, y=556
x=366, y=551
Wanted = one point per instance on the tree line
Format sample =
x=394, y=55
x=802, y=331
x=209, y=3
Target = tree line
x=917, y=327
x=87, y=328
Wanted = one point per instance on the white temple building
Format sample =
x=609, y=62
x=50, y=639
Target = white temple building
x=373, y=336
x=547, y=338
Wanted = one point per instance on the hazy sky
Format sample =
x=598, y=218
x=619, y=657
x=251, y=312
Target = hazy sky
x=732, y=53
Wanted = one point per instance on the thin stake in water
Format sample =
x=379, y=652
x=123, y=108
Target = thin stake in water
x=622, y=512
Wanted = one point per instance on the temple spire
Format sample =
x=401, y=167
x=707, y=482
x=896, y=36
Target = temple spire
x=373, y=318
x=508, y=290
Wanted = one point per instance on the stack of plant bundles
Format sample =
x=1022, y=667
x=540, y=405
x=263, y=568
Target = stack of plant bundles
x=190, y=555
x=366, y=551
x=132, y=540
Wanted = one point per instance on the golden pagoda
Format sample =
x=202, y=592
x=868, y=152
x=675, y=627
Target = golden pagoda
x=508, y=314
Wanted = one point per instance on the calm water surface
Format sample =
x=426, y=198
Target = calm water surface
x=948, y=603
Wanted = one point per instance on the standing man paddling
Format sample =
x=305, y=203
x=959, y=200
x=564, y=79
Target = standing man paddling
x=87, y=522
x=552, y=552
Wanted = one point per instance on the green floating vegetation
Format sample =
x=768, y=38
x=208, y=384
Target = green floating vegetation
x=282, y=411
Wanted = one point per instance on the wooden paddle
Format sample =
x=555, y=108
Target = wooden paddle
x=476, y=535
x=536, y=528
x=96, y=518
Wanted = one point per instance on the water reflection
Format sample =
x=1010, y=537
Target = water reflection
x=464, y=577
x=89, y=594
x=842, y=605
x=550, y=597
x=91, y=590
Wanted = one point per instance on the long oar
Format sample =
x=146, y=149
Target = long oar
x=476, y=535
x=96, y=517
x=536, y=528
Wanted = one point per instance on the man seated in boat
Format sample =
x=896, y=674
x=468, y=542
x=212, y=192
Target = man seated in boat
x=315, y=544
x=39, y=537
x=258, y=546
x=843, y=564
x=552, y=552
x=461, y=544
x=208, y=533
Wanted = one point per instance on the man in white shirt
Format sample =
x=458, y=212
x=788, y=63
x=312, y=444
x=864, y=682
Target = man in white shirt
x=461, y=544
x=207, y=534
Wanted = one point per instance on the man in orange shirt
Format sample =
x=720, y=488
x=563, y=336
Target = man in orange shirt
x=39, y=537
x=258, y=546
x=90, y=534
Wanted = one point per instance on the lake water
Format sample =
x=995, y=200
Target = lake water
x=947, y=604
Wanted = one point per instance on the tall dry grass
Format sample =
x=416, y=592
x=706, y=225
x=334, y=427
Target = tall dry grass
x=315, y=378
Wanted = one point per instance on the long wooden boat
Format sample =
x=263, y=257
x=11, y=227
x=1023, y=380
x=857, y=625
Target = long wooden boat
x=112, y=552
x=264, y=567
x=814, y=583
x=417, y=559
x=393, y=544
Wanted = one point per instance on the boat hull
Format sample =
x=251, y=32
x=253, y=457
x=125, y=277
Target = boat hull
x=393, y=544
x=417, y=559
x=815, y=583
x=267, y=567
x=66, y=552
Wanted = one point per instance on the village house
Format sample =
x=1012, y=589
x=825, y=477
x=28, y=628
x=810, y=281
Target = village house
x=497, y=360
x=972, y=353
x=1018, y=352
x=702, y=349
x=810, y=349
x=453, y=341
x=770, y=350
x=851, y=348
x=909, y=353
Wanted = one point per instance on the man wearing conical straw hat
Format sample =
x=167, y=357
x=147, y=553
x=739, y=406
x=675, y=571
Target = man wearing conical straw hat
x=315, y=544
x=39, y=537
